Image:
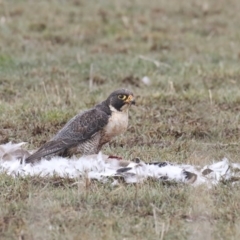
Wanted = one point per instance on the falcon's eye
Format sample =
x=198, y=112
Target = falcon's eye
x=122, y=97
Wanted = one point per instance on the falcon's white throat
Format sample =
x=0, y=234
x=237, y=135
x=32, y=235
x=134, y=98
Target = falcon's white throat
x=118, y=122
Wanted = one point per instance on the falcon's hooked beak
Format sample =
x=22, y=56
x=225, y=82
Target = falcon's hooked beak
x=130, y=100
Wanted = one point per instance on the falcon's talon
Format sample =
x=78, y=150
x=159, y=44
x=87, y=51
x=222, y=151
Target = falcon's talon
x=88, y=131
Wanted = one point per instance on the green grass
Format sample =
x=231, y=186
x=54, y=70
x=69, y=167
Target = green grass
x=190, y=113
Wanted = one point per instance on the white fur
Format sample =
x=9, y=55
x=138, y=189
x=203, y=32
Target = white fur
x=101, y=167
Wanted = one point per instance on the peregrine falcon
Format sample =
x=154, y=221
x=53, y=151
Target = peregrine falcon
x=88, y=131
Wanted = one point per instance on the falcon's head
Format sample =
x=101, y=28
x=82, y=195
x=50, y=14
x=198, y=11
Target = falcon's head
x=120, y=100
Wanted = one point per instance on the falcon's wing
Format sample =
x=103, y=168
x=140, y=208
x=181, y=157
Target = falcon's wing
x=80, y=128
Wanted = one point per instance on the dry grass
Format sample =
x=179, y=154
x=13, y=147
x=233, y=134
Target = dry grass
x=190, y=113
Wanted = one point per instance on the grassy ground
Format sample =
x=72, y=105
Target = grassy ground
x=58, y=57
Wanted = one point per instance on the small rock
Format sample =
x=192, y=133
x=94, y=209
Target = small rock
x=146, y=80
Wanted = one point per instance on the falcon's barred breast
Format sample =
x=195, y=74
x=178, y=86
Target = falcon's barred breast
x=88, y=131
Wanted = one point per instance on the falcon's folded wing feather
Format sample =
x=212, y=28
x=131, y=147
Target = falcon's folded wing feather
x=80, y=128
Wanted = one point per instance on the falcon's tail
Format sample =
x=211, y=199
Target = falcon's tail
x=47, y=149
